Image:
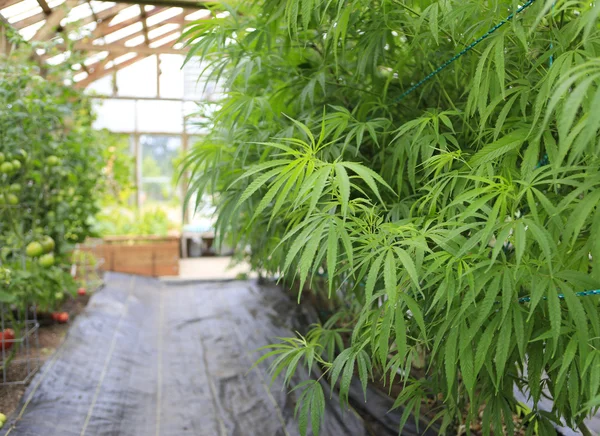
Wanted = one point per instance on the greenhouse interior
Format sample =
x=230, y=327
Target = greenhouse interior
x=299, y=217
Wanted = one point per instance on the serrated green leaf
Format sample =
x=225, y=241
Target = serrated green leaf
x=450, y=357
x=343, y=185
x=408, y=265
x=385, y=331
x=373, y=276
x=389, y=276
x=332, y=248
x=499, y=148
x=503, y=347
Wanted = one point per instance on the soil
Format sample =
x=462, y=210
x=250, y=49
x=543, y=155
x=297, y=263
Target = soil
x=50, y=336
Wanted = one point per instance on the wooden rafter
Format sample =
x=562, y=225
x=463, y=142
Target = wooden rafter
x=21, y=24
x=105, y=28
x=52, y=23
x=165, y=35
x=7, y=3
x=99, y=65
x=122, y=49
x=135, y=34
x=104, y=16
x=143, y=16
x=107, y=71
x=53, y=16
x=192, y=4
x=44, y=5
x=92, y=11
x=96, y=69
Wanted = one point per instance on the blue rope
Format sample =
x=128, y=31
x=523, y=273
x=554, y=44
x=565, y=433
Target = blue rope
x=461, y=53
x=562, y=297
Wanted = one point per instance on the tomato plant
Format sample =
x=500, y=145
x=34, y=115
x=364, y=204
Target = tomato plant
x=50, y=176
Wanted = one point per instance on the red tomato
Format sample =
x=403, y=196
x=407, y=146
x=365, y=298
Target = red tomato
x=63, y=317
x=55, y=316
x=81, y=291
x=6, y=336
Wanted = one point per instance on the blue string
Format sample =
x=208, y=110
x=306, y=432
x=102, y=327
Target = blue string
x=461, y=53
x=562, y=297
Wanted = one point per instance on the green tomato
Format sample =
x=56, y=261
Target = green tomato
x=22, y=155
x=48, y=244
x=12, y=199
x=53, y=161
x=59, y=296
x=15, y=187
x=16, y=165
x=47, y=260
x=6, y=168
x=34, y=249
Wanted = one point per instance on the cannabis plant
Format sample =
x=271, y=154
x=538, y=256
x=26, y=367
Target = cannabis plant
x=452, y=219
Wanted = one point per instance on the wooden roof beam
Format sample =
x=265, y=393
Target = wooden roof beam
x=192, y=4
x=7, y=3
x=52, y=24
x=122, y=49
x=171, y=20
x=98, y=66
x=166, y=35
x=89, y=19
x=86, y=45
x=103, y=72
x=105, y=28
x=44, y=5
x=144, y=25
x=21, y=24
x=104, y=16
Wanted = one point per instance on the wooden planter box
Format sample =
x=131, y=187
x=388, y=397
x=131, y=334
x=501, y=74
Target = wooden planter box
x=151, y=256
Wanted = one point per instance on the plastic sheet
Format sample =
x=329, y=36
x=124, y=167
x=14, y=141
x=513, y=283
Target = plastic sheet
x=148, y=358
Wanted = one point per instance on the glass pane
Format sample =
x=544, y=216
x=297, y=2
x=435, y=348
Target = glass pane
x=101, y=86
x=138, y=79
x=160, y=116
x=158, y=192
x=171, y=76
x=159, y=155
x=115, y=115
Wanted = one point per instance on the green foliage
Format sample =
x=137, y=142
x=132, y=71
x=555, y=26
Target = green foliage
x=429, y=218
x=119, y=168
x=49, y=187
x=115, y=220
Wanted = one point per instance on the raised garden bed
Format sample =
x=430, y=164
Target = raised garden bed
x=152, y=256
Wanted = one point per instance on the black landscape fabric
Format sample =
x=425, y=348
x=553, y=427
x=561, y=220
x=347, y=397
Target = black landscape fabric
x=169, y=359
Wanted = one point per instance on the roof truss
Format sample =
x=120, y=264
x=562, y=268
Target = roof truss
x=152, y=29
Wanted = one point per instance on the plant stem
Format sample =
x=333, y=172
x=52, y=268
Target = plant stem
x=583, y=429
